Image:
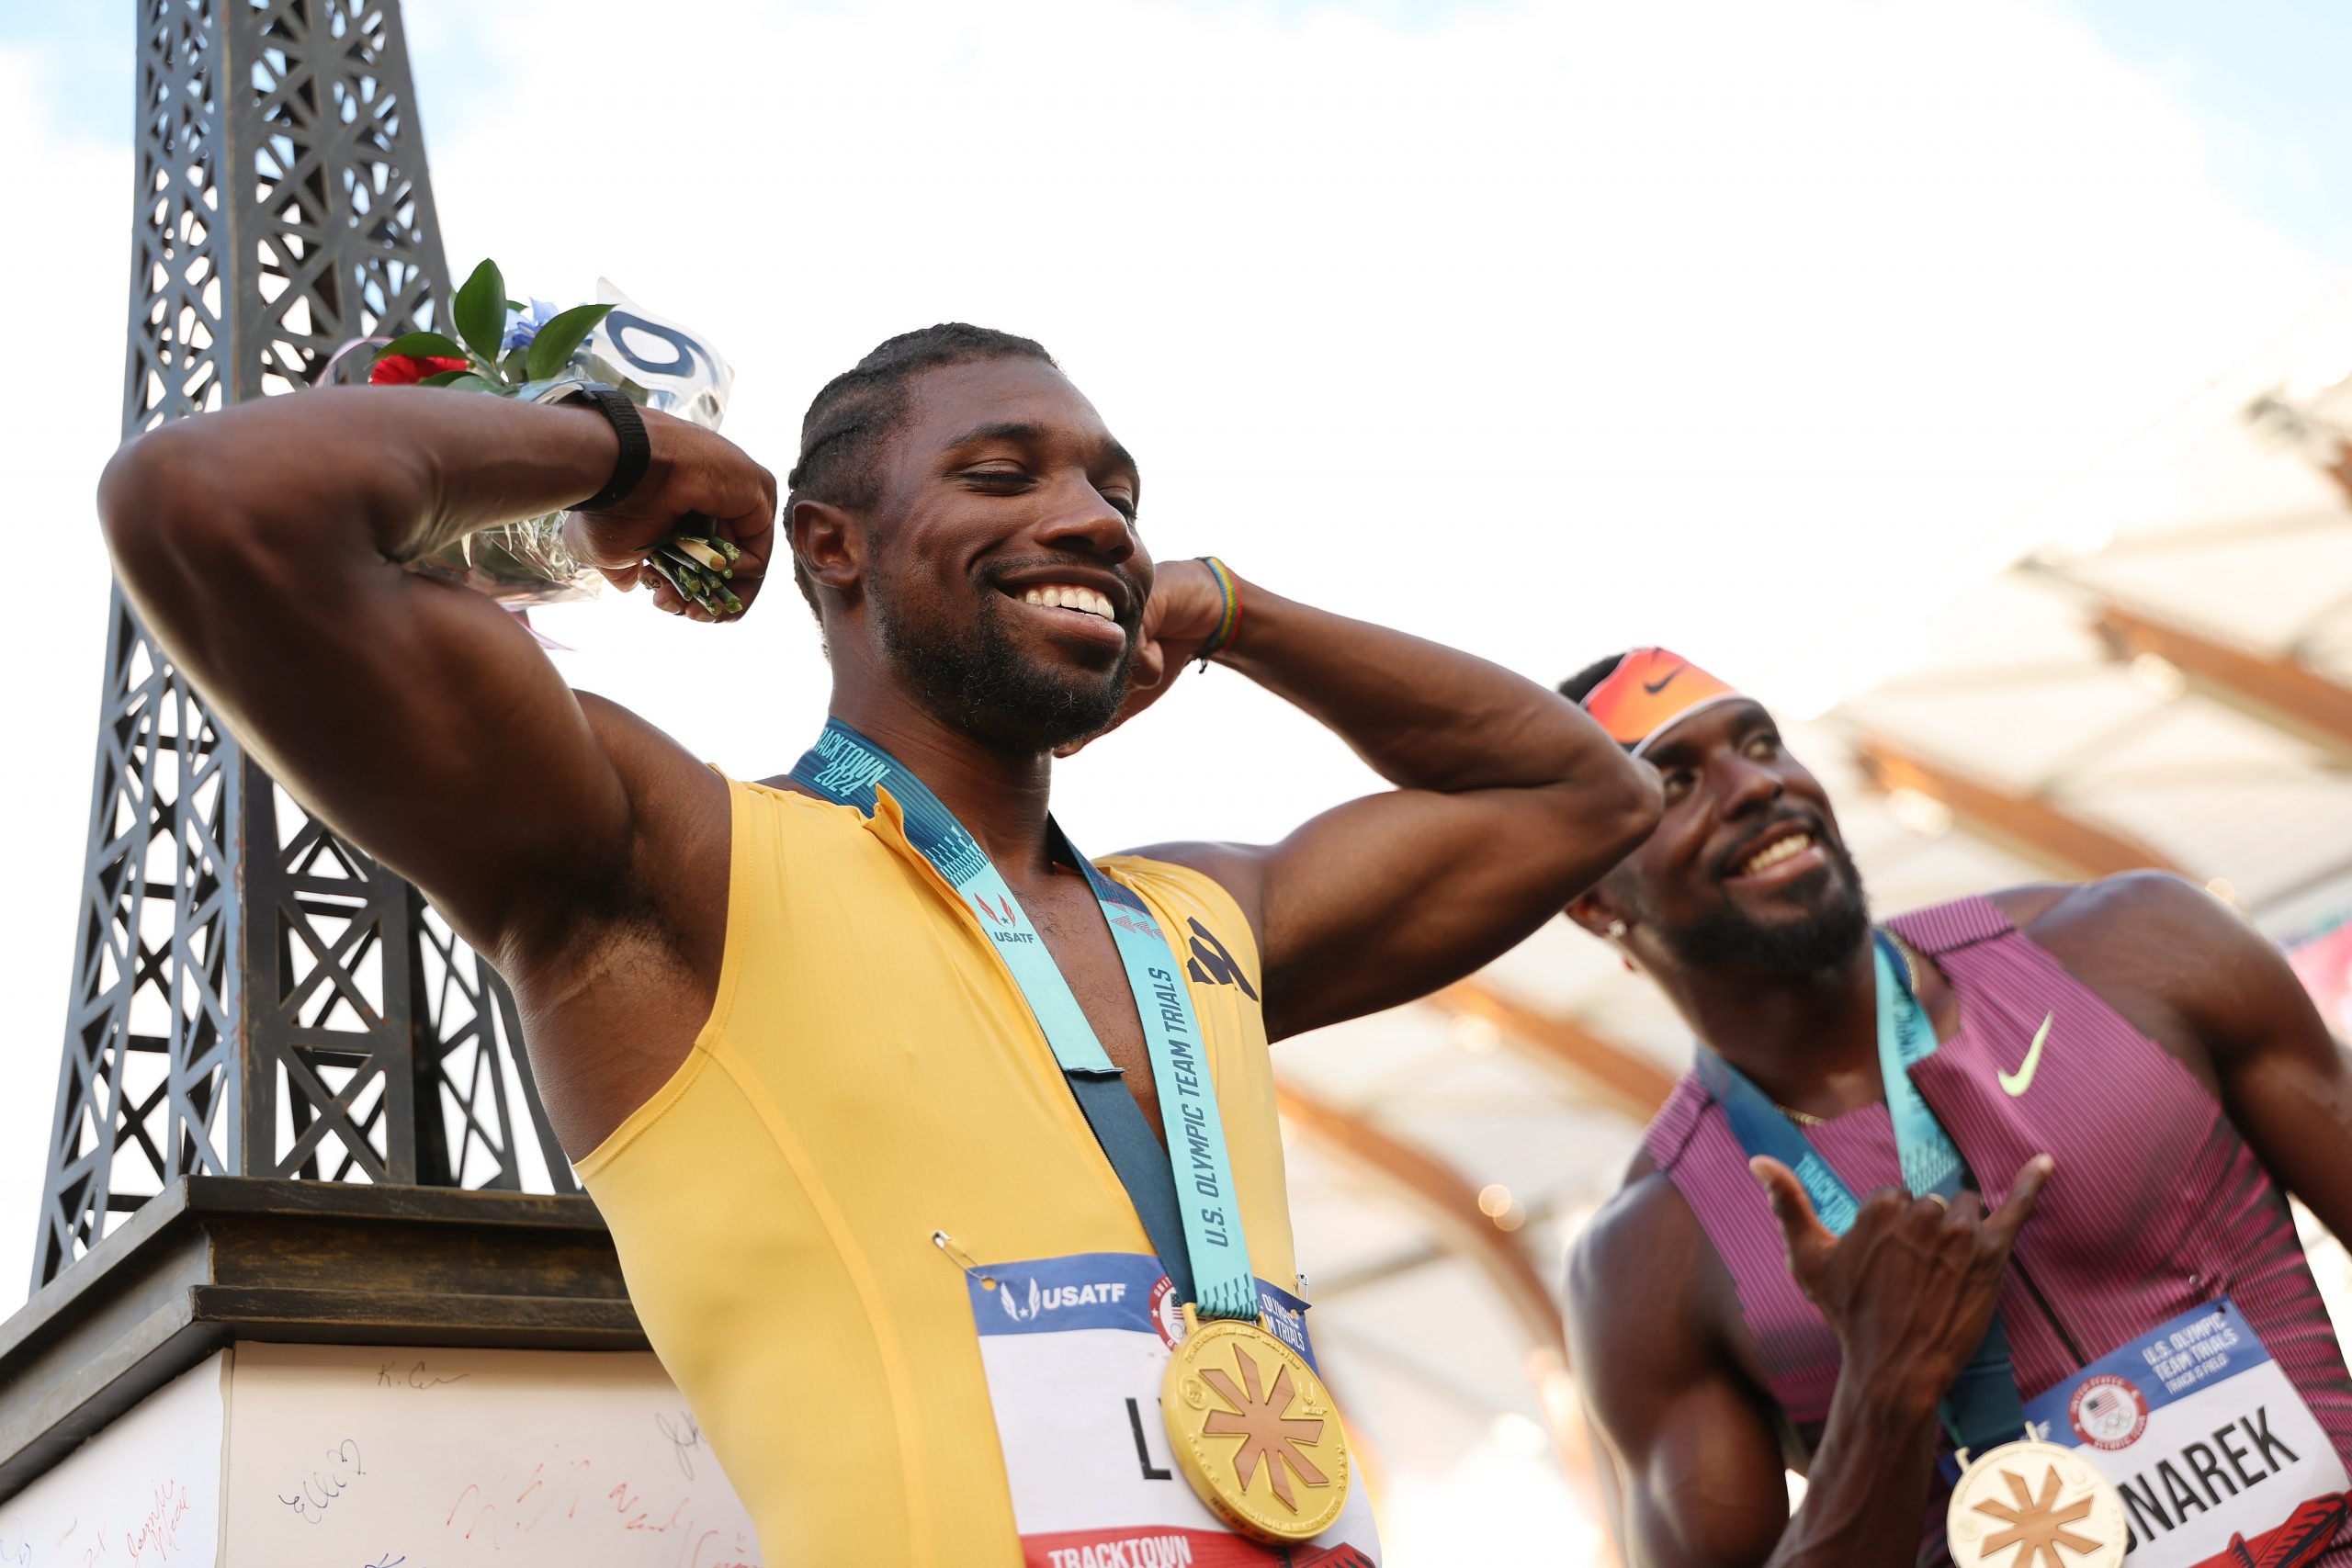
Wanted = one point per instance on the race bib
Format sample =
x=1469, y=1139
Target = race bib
x=2217, y=1457
x=1074, y=1350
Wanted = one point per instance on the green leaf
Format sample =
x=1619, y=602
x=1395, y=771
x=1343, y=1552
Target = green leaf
x=422, y=345
x=561, y=338
x=512, y=368
x=479, y=310
x=459, y=381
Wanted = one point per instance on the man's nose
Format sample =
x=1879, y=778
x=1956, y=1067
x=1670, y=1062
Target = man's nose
x=1746, y=785
x=1080, y=519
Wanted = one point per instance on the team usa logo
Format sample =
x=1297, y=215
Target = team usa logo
x=2108, y=1412
x=1166, y=1313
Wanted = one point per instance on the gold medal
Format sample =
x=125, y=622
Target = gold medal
x=1254, y=1430
x=2034, y=1504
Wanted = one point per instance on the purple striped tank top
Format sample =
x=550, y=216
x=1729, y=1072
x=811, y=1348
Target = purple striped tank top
x=2157, y=1204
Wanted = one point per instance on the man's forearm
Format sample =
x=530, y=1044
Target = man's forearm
x=1866, y=1494
x=1423, y=715
x=407, y=470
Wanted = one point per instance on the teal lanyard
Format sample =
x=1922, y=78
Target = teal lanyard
x=847, y=767
x=1981, y=1408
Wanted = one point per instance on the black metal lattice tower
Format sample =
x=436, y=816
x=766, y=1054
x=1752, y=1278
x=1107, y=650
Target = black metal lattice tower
x=253, y=995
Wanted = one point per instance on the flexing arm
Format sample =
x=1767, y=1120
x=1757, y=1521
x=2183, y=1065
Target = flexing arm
x=1509, y=802
x=263, y=547
x=1908, y=1291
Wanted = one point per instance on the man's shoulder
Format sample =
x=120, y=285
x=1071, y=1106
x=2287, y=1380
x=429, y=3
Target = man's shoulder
x=2137, y=926
x=2159, y=950
x=2141, y=908
x=2130, y=898
x=1643, y=1286
x=1644, y=1222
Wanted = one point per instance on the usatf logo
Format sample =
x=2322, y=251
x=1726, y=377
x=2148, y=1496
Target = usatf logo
x=1004, y=919
x=1212, y=965
x=1043, y=1299
x=1136, y=923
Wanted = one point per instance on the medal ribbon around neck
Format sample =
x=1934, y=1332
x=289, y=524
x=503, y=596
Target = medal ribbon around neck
x=1982, y=1409
x=848, y=769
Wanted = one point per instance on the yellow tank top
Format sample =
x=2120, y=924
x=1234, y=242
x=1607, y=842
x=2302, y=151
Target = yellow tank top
x=870, y=1075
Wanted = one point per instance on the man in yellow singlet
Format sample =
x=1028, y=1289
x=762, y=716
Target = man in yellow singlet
x=862, y=1217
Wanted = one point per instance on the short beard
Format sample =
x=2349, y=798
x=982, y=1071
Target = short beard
x=974, y=676
x=1727, y=937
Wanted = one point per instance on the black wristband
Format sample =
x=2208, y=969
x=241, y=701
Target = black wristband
x=637, y=448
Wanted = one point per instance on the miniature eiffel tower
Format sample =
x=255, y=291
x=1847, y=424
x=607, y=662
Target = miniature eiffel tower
x=276, y=1049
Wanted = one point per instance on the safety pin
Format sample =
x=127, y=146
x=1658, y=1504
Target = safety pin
x=962, y=1259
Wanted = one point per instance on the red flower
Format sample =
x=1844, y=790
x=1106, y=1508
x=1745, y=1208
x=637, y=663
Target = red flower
x=403, y=369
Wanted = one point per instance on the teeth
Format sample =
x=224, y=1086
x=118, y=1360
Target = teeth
x=1065, y=596
x=1773, y=854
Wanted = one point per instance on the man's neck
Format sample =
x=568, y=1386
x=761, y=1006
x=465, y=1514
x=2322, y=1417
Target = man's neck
x=1809, y=1040
x=1000, y=796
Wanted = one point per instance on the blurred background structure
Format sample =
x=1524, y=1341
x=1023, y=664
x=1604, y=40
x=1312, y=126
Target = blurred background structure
x=2169, y=687
x=1953, y=380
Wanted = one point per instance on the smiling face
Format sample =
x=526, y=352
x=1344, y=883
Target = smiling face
x=1747, y=868
x=998, y=573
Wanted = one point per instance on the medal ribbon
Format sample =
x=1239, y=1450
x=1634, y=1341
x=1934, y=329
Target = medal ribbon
x=1185, y=1197
x=1982, y=1409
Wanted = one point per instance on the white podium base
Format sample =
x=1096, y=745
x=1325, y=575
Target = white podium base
x=363, y=1457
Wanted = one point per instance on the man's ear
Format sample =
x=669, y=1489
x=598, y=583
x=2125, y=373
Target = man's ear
x=1593, y=910
x=828, y=544
x=1601, y=915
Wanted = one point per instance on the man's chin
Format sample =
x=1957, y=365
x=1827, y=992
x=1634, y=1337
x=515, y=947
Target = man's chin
x=1043, y=714
x=1781, y=935
x=1007, y=696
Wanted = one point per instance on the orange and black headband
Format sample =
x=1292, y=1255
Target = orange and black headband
x=1649, y=692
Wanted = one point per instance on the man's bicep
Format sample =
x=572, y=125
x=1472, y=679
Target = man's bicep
x=1698, y=1463
x=1695, y=1449
x=1384, y=900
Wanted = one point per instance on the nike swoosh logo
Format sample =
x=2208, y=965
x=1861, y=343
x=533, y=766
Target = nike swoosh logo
x=1662, y=685
x=2017, y=1083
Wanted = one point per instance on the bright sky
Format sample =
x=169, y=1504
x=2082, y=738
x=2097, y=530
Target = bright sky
x=1539, y=329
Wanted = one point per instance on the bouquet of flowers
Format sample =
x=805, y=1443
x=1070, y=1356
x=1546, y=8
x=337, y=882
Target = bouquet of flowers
x=537, y=353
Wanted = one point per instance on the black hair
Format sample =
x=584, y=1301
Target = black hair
x=1578, y=686
x=854, y=414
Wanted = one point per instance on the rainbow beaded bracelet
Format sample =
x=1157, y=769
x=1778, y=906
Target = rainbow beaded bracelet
x=1230, y=620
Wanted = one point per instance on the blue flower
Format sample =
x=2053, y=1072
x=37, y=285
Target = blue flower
x=522, y=326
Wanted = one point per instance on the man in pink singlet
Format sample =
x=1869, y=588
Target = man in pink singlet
x=2133, y=1081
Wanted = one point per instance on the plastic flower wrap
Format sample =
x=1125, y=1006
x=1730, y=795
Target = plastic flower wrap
x=537, y=353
